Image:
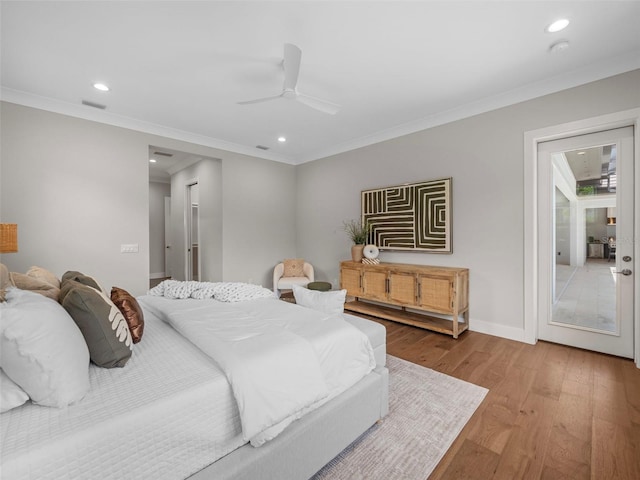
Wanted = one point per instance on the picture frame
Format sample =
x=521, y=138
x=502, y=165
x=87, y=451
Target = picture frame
x=412, y=216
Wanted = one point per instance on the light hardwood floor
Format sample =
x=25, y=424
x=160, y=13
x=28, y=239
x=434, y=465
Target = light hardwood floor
x=552, y=412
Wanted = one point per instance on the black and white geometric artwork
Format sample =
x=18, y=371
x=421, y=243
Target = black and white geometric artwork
x=414, y=216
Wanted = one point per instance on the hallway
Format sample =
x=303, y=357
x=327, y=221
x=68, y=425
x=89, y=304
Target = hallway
x=586, y=296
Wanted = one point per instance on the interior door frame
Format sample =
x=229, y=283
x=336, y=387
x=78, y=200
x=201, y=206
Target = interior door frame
x=531, y=275
x=188, y=240
x=167, y=236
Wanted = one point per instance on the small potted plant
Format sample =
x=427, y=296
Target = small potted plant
x=358, y=232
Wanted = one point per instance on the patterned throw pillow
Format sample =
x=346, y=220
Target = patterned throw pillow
x=80, y=278
x=103, y=326
x=131, y=310
x=293, y=267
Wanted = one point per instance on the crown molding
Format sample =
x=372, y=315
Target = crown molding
x=575, y=78
x=101, y=116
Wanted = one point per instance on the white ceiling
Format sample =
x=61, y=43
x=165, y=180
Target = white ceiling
x=587, y=164
x=178, y=68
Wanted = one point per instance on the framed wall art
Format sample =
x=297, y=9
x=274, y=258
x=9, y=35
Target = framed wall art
x=414, y=216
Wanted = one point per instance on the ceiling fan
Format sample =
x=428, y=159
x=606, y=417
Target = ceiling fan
x=291, y=66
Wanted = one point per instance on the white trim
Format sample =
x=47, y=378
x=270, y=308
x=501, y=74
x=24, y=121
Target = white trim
x=101, y=116
x=490, y=328
x=591, y=73
x=188, y=269
x=531, y=139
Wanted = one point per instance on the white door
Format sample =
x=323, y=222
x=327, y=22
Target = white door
x=192, y=232
x=167, y=236
x=587, y=302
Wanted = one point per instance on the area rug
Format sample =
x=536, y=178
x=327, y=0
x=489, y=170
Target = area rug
x=427, y=411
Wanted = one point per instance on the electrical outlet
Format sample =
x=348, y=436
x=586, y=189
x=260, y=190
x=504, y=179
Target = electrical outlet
x=129, y=248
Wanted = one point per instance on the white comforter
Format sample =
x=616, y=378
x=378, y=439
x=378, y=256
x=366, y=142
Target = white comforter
x=282, y=360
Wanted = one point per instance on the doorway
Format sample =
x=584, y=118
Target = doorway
x=586, y=206
x=185, y=230
x=192, y=232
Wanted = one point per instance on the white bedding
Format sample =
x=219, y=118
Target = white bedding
x=115, y=432
x=282, y=360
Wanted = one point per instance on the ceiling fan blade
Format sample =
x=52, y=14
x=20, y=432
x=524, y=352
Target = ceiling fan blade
x=259, y=100
x=319, y=104
x=291, y=64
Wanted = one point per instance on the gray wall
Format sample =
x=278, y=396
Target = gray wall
x=484, y=155
x=79, y=189
x=596, y=224
x=157, y=192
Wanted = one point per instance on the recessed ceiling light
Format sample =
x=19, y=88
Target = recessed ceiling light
x=582, y=153
x=152, y=160
x=557, y=25
x=101, y=86
x=282, y=139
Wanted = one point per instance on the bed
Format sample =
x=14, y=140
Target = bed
x=171, y=413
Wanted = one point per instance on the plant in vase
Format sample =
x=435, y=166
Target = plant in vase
x=358, y=232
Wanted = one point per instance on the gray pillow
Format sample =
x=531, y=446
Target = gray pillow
x=80, y=278
x=104, y=328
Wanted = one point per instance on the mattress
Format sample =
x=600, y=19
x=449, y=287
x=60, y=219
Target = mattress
x=377, y=334
x=153, y=418
x=282, y=360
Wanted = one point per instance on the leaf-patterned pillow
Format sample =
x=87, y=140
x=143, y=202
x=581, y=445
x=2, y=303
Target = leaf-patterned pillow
x=102, y=324
x=130, y=310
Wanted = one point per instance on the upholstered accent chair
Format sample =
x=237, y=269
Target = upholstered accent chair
x=293, y=271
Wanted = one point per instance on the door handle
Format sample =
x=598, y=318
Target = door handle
x=626, y=272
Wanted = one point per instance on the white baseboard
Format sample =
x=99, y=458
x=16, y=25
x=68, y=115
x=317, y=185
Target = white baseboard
x=153, y=276
x=497, y=330
x=481, y=326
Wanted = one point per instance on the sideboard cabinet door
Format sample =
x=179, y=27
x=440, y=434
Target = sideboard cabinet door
x=351, y=280
x=435, y=294
x=374, y=284
x=402, y=288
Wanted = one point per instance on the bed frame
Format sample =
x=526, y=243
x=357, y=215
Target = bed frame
x=311, y=442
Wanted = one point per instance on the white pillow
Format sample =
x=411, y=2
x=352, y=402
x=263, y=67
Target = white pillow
x=11, y=395
x=42, y=349
x=327, y=302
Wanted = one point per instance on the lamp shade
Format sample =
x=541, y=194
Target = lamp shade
x=8, y=237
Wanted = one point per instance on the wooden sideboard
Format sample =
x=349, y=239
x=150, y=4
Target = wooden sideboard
x=440, y=290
